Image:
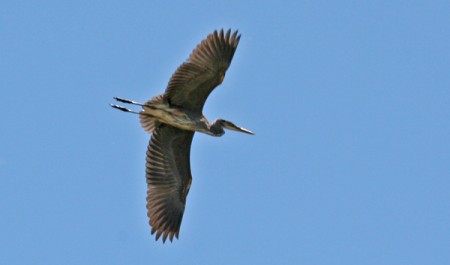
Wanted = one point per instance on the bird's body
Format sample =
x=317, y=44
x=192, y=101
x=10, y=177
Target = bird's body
x=173, y=118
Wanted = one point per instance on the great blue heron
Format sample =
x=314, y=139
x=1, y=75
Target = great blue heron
x=173, y=118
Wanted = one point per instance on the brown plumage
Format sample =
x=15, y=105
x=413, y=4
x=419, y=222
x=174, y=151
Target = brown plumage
x=173, y=118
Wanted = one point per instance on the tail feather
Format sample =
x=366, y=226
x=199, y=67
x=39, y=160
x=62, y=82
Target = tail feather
x=148, y=122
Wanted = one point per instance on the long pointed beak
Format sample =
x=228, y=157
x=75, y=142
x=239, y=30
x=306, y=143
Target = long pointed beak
x=240, y=129
x=232, y=126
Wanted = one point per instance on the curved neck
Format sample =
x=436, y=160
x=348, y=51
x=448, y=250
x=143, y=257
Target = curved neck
x=216, y=128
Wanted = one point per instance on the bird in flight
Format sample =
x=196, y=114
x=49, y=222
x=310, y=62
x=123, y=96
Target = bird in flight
x=172, y=118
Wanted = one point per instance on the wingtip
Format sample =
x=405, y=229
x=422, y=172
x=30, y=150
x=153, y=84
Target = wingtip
x=158, y=235
x=164, y=235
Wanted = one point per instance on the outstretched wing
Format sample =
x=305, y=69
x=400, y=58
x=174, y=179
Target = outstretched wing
x=168, y=179
x=205, y=69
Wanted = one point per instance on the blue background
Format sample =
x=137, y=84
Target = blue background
x=349, y=101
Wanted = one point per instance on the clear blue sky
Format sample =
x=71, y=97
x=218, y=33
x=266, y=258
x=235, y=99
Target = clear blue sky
x=349, y=100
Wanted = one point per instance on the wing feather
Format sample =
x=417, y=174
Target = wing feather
x=168, y=179
x=205, y=69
